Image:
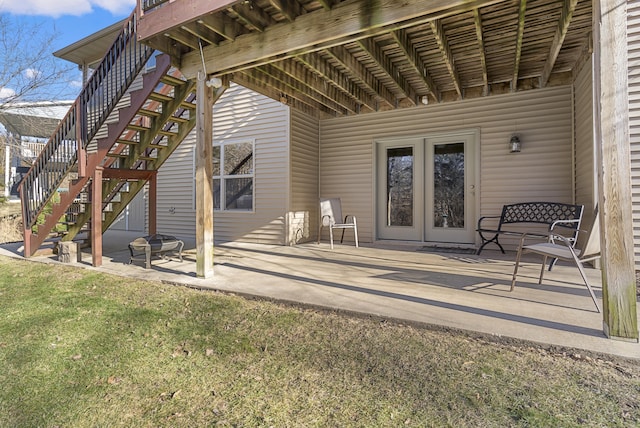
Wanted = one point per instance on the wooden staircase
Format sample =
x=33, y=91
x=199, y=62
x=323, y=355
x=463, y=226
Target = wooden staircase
x=103, y=154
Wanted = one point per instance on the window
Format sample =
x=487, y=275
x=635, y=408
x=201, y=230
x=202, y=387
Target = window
x=233, y=176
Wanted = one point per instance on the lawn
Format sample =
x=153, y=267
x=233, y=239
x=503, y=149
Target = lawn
x=81, y=348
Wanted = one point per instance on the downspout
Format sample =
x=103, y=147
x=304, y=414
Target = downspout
x=319, y=180
x=573, y=141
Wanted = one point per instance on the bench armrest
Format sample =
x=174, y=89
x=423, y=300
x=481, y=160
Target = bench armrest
x=481, y=219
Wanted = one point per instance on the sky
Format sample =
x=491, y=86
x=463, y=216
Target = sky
x=70, y=21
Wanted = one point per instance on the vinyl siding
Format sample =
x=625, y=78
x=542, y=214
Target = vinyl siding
x=542, y=171
x=586, y=185
x=633, y=40
x=240, y=115
x=304, y=167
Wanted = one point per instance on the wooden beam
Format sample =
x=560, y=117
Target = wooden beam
x=375, y=52
x=402, y=40
x=314, y=83
x=294, y=89
x=447, y=55
x=322, y=29
x=175, y=13
x=153, y=204
x=483, y=57
x=202, y=32
x=327, y=4
x=611, y=118
x=182, y=36
x=522, y=10
x=329, y=73
x=204, y=178
x=289, y=8
x=253, y=16
x=568, y=8
x=360, y=72
x=221, y=24
x=133, y=174
x=260, y=87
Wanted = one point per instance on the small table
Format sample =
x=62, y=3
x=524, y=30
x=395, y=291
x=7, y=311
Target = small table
x=157, y=244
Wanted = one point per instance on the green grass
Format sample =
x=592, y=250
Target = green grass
x=80, y=348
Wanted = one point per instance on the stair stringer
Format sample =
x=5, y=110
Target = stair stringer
x=184, y=128
x=95, y=159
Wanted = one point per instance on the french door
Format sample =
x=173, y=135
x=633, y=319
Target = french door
x=425, y=189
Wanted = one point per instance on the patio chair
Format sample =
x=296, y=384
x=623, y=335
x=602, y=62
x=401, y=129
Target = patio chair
x=330, y=215
x=562, y=248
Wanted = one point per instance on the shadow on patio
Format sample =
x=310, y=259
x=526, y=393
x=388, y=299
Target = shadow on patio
x=446, y=290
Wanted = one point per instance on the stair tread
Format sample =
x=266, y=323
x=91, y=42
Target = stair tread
x=135, y=127
x=178, y=119
x=160, y=97
x=147, y=112
x=172, y=80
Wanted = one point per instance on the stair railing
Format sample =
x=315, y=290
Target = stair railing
x=108, y=83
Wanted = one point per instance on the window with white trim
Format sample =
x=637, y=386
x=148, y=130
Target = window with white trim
x=233, y=176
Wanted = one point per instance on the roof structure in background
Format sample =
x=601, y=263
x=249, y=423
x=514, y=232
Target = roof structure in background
x=90, y=50
x=36, y=119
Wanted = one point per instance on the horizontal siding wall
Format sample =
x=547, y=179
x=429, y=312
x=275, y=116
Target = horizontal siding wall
x=542, y=171
x=305, y=140
x=239, y=115
x=584, y=152
x=633, y=40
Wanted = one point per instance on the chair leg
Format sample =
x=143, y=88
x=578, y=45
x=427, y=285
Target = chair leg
x=544, y=265
x=319, y=233
x=355, y=234
x=331, y=236
x=515, y=269
x=584, y=278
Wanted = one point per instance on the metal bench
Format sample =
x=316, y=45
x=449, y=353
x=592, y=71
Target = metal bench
x=567, y=216
x=143, y=248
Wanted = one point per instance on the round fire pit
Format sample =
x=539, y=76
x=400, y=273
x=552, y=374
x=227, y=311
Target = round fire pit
x=158, y=244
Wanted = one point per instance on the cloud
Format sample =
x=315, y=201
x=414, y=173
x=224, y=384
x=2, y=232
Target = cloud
x=6, y=93
x=32, y=73
x=58, y=8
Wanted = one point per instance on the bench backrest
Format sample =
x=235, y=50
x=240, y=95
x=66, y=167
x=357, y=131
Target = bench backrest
x=541, y=212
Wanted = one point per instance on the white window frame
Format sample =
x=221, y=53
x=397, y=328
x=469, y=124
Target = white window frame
x=222, y=177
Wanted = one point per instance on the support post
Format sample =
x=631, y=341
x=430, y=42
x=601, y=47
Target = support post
x=96, y=217
x=204, y=177
x=611, y=116
x=153, y=206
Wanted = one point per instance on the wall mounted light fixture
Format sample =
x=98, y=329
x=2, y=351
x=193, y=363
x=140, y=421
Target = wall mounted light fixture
x=514, y=144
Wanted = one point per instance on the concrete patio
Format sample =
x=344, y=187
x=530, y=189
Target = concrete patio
x=403, y=282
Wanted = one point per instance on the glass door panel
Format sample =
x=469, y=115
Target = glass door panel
x=399, y=189
x=450, y=189
x=400, y=165
x=448, y=185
